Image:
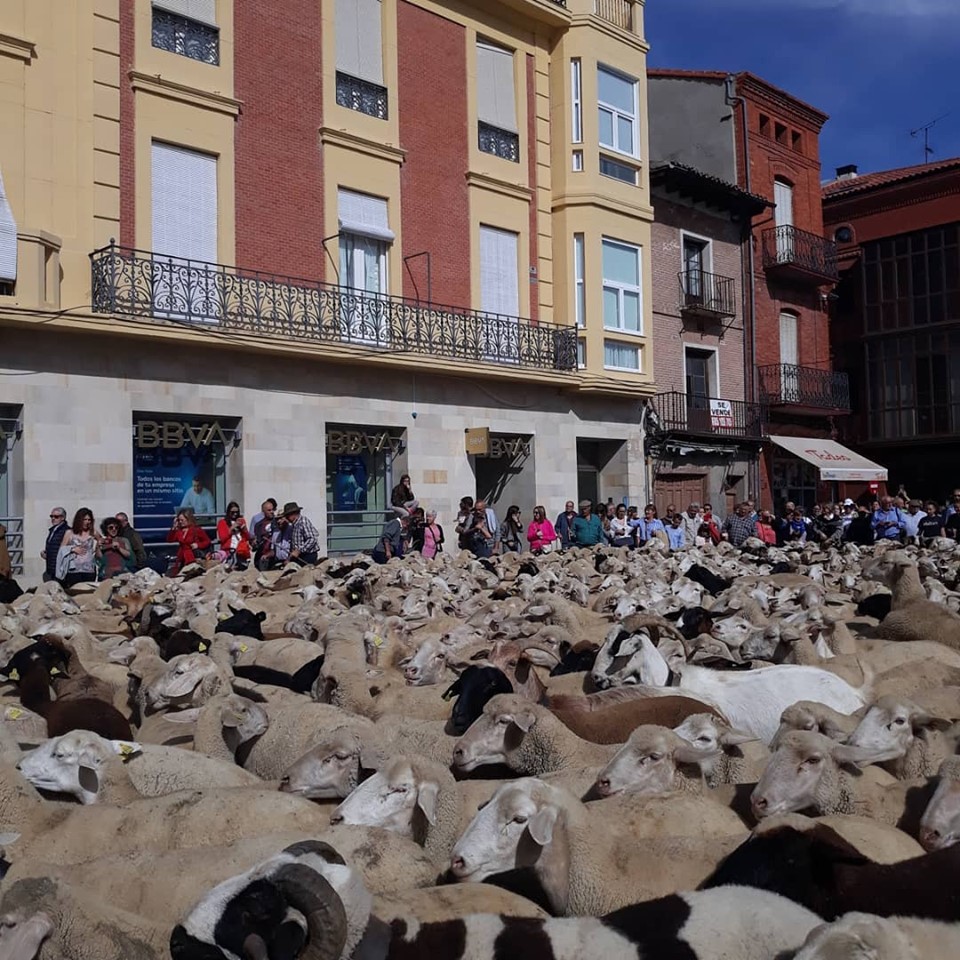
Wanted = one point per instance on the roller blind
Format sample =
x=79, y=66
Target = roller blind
x=363, y=215
x=205, y=11
x=8, y=238
x=496, y=100
x=359, y=46
x=184, y=203
x=499, y=286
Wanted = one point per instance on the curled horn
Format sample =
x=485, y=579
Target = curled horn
x=310, y=893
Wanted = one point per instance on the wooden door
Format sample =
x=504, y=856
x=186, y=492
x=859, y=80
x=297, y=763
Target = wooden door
x=679, y=489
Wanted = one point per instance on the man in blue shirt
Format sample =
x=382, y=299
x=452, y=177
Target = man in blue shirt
x=676, y=533
x=587, y=528
x=888, y=521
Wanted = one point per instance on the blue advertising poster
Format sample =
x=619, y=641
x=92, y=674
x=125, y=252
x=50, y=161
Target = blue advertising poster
x=165, y=480
x=350, y=483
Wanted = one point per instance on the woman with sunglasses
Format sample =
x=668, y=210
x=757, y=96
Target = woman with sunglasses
x=234, y=537
x=116, y=554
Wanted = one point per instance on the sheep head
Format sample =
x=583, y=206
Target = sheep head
x=940, y=824
x=857, y=935
x=74, y=763
x=497, y=733
x=889, y=727
x=332, y=768
x=22, y=933
x=647, y=764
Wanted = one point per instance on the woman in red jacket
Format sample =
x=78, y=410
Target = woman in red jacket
x=191, y=537
x=234, y=537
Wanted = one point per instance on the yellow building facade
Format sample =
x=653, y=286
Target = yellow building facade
x=310, y=254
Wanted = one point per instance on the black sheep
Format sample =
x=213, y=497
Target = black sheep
x=877, y=605
x=709, y=581
x=473, y=688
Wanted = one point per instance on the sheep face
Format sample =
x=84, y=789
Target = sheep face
x=177, y=685
x=733, y=631
x=647, y=763
x=427, y=665
x=394, y=798
x=857, y=936
x=72, y=764
x=709, y=735
x=329, y=770
x=243, y=717
x=799, y=773
x=509, y=832
x=888, y=728
x=473, y=690
x=940, y=824
x=498, y=732
x=21, y=936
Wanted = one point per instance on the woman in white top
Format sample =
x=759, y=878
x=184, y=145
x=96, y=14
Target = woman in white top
x=80, y=550
x=620, y=533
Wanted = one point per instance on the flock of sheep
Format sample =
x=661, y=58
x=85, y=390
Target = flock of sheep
x=707, y=755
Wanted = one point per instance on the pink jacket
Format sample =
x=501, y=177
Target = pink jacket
x=540, y=533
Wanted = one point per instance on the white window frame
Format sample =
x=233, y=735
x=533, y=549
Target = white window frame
x=576, y=100
x=622, y=288
x=635, y=347
x=581, y=353
x=576, y=161
x=634, y=119
x=200, y=11
x=707, y=256
x=501, y=328
x=713, y=381
x=579, y=280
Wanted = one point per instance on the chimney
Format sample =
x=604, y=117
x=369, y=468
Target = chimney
x=849, y=172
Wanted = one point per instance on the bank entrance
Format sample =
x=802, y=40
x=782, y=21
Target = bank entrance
x=11, y=482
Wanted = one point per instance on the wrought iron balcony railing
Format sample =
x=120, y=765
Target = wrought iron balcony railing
x=212, y=296
x=707, y=294
x=799, y=254
x=501, y=143
x=784, y=384
x=185, y=37
x=362, y=96
x=617, y=12
x=709, y=416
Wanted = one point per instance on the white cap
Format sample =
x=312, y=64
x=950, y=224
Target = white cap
x=848, y=503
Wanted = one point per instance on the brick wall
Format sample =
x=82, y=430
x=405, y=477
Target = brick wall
x=432, y=103
x=670, y=332
x=279, y=183
x=127, y=132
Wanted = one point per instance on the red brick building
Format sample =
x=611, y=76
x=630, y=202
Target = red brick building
x=742, y=129
x=896, y=319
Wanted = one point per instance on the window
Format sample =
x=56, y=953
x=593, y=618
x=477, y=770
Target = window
x=783, y=217
x=8, y=244
x=360, y=57
x=576, y=101
x=764, y=125
x=619, y=171
x=621, y=287
x=617, y=101
x=365, y=236
x=579, y=291
x=700, y=372
x=581, y=353
x=796, y=140
x=184, y=208
x=621, y=356
x=500, y=294
x=496, y=102
x=780, y=133
x=188, y=28
x=696, y=263
x=577, y=161
x=789, y=357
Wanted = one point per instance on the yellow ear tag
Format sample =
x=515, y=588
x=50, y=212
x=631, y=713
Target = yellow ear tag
x=14, y=674
x=54, y=671
x=377, y=641
x=223, y=616
x=126, y=752
x=243, y=648
x=202, y=647
x=13, y=713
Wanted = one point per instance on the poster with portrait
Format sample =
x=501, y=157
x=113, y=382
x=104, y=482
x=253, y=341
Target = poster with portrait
x=350, y=483
x=166, y=480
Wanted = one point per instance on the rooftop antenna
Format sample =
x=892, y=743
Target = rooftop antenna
x=927, y=149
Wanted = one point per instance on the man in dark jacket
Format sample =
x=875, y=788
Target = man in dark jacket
x=564, y=525
x=55, y=535
x=860, y=528
x=135, y=541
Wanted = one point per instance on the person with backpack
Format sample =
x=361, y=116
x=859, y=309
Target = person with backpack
x=888, y=522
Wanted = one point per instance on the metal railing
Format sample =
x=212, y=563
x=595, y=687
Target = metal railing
x=799, y=251
x=784, y=383
x=617, y=12
x=185, y=37
x=707, y=293
x=362, y=95
x=709, y=416
x=14, y=537
x=501, y=143
x=138, y=283
x=354, y=531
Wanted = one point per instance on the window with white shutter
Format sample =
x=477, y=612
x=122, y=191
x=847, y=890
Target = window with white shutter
x=359, y=46
x=497, y=102
x=365, y=236
x=500, y=294
x=188, y=28
x=184, y=207
x=8, y=244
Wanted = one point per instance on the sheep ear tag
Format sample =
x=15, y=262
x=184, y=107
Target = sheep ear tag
x=12, y=713
x=202, y=647
x=243, y=648
x=377, y=640
x=14, y=674
x=126, y=749
x=222, y=616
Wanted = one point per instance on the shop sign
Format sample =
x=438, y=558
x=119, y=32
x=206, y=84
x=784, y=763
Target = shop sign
x=721, y=414
x=176, y=434
x=509, y=447
x=359, y=441
x=477, y=441
x=828, y=457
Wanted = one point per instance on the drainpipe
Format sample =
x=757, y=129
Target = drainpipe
x=749, y=288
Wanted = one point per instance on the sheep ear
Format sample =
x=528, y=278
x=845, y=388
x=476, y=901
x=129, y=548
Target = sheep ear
x=730, y=738
x=452, y=691
x=88, y=779
x=370, y=758
x=427, y=800
x=686, y=752
x=125, y=748
x=920, y=719
x=188, y=716
x=848, y=753
x=525, y=720
x=481, y=655
x=541, y=825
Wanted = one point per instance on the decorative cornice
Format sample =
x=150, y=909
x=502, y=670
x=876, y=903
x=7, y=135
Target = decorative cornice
x=194, y=96
x=615, y=205
x=372, y=148
x=17, y=47
x=611, y=30
x=483, y=181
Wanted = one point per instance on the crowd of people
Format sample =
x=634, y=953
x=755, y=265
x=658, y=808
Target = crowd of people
x=80, y=550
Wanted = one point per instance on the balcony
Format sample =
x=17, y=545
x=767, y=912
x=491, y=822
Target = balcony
x=221, y=299
x=707, y=295
x=361, y=95
x=617, y=12
x=798, y=255
x=709, y=416
x=804, y=388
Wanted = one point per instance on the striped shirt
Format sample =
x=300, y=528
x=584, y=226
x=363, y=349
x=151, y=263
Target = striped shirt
x=305, y=537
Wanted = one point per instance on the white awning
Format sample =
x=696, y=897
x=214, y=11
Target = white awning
x=835, y=461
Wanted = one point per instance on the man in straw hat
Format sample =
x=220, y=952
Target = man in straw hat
x=304, y=536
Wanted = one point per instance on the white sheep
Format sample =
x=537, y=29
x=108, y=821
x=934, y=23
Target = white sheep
x=882, y=938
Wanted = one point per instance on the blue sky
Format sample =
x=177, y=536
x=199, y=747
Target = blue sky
x=879, y=68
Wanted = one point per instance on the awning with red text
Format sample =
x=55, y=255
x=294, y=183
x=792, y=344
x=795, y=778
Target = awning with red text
x=835, y=461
